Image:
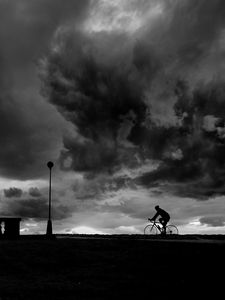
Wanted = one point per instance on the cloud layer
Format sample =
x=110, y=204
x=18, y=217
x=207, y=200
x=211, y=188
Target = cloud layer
x=126, y=97
x=26, y=30
x=114, y=88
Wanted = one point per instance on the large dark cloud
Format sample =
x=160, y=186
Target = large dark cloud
x=125, y=96
x=101, y=91
x=106, y=83
x=26, y=30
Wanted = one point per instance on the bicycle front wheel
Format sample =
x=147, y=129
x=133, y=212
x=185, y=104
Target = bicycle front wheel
x=171, y=229
x=150, y=230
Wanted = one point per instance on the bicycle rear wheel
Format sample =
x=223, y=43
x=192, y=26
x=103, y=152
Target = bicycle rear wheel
x=150, y=230
x=171, y=229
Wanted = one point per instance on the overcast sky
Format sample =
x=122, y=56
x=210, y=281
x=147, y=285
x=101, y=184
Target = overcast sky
x=127, y=98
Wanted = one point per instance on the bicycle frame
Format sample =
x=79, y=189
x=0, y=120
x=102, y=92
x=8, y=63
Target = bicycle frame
x=157, y=228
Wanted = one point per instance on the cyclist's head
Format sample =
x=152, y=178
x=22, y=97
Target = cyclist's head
x=156, y=207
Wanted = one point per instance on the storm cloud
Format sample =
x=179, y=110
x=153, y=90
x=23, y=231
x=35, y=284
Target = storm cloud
x=144, y=95
x=101, y=93
x=26, y=31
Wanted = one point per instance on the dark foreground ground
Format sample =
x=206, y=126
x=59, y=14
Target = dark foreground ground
x=112, y=267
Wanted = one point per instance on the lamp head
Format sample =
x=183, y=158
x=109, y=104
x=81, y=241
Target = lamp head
x=50, y=164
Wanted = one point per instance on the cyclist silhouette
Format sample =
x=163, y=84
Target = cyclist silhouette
x=165, y=217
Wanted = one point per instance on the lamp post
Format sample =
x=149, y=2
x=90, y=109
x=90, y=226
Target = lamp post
x=49, y=224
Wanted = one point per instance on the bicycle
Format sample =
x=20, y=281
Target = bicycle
x=157, y=228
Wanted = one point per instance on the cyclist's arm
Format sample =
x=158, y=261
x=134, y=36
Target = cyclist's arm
x=155, y=216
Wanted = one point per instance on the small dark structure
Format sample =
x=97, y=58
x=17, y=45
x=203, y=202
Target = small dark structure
x=9, y=227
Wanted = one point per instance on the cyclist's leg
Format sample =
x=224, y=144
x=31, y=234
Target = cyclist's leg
x=162, y=221
x=165, y=221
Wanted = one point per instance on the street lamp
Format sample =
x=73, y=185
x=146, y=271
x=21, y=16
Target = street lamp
x=49, y=224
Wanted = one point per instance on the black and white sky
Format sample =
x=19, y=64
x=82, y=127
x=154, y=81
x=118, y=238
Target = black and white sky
x=127, y=98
